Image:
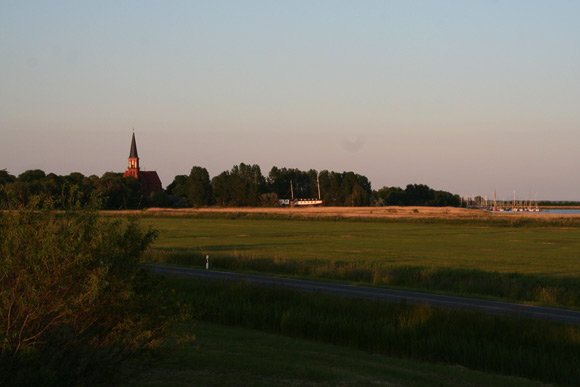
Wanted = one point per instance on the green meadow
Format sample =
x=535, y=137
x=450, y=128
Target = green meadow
x=249, y=336
x=552, y=251
x=536, y=263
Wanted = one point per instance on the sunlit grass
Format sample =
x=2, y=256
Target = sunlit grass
x=548, y=251
x=538, y=265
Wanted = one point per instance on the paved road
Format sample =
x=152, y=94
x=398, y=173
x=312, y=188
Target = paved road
x=388, y=295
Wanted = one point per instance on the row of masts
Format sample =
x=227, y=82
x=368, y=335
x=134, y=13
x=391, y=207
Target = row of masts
x=302, y=202
x=317, y=185
x=501, y=205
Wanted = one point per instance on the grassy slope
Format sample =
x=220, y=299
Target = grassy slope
x=224, y=355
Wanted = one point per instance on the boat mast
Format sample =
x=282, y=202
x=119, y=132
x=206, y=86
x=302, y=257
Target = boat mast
x=318, y=184
x=291, y=190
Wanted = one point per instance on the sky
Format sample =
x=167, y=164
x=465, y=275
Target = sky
x=469, y=97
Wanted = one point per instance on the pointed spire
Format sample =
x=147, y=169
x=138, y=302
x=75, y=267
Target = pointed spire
x=133, y=153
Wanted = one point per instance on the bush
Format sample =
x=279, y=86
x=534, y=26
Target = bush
x=74, y=302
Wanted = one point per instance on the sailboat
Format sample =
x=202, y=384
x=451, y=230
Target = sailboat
x=302, y=202
x=307, y=202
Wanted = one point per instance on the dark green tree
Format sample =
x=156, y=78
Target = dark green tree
x=418, y=194
x=178, y=186
x=391, y=196
x=6, y=178
x=242, y=186
x=281, y=179
x=32, y=175
x=355, y=190
x=119, y=192
x=198, y=187
x=330, y=186
x=160, y=199
x=222, y=189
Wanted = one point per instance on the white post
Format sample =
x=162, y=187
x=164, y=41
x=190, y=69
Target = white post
x=206, y=262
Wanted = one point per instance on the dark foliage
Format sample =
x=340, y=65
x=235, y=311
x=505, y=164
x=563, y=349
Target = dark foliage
x=415, y=195
x=243, y=185
x=74, y=302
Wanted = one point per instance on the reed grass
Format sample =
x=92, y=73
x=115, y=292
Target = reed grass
x=534, y=349
x=251, y=361
x=514, y=287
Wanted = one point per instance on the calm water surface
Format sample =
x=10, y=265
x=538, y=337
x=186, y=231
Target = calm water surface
x=561, y=212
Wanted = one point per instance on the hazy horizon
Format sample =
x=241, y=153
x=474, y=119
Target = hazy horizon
x=466, y=97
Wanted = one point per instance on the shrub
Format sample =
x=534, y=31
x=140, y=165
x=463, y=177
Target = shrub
x=74, y=302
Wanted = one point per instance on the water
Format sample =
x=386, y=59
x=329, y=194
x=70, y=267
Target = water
x=550, y=211
x=560, y=212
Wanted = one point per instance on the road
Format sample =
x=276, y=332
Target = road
x=388, y=295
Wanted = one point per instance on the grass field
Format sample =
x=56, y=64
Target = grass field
x=535, y=261
x=550, y=251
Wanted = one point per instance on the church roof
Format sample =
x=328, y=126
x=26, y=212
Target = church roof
x=150, y=178
x=133, y=153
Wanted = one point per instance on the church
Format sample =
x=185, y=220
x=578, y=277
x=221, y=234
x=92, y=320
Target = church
x=149, y=180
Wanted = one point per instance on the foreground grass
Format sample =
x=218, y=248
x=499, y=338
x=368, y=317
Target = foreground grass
x=533, y=349
x=224, y=355
x=534, y=264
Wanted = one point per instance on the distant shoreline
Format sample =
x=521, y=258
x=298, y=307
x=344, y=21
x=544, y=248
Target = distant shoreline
x=560, y=207
x=391, y=212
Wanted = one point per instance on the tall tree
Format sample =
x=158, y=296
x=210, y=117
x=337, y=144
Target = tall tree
x=6, y=178
x=391, y=196
x=178, y=186
x=243, y=185
x=281, y=179
x=31, y=175
x=418, y=194
x=198, y=186
x=221, y=188
x=119, y=192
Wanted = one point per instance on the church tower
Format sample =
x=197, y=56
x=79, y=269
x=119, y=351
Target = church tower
x=149, y=180
x=133, y=169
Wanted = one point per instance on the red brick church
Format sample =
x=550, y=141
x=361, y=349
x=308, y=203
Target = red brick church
x=149, y=180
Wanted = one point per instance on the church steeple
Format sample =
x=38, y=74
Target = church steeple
x=133, y=153
x=149, y=180
x=133, y=160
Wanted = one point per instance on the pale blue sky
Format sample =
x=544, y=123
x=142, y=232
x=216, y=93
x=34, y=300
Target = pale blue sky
x=465, y=96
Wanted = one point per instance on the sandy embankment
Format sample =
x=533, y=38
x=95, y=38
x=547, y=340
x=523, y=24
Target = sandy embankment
x=354, y=212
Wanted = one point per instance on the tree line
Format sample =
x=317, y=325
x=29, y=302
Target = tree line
x=242, y=186
x=117, y=192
